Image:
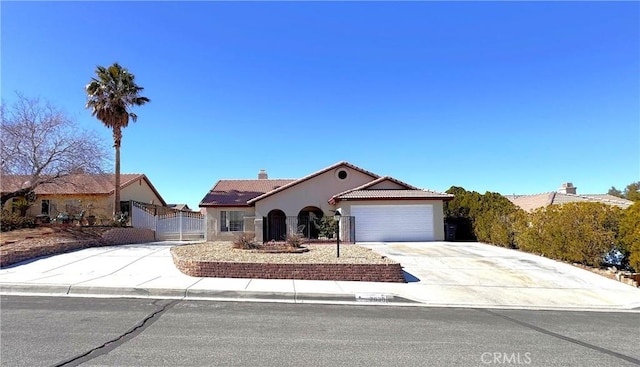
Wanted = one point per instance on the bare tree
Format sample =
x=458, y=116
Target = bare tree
x=43, y=143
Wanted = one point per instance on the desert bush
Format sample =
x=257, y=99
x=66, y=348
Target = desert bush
x=11, y=221
x=575, y=232
x=629, y=235
x=23, y=204
x=487, y=218
x=294, y=240
x=246, y=241
x=498, y=228
x=461, y=211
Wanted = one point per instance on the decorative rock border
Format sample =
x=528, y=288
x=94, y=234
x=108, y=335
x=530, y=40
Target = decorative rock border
x=632, y=279
x=342, y=272
x=115, y=236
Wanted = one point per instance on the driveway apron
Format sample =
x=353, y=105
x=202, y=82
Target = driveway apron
x=471, y=273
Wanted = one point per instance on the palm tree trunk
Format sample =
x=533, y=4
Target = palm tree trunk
x=117, y=138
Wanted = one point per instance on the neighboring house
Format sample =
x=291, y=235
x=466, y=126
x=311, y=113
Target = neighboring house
x=91, y=193
x=567, y=193
x=181, y=207
x=374, y=208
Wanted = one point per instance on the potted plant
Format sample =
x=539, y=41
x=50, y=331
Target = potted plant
x=90, y=218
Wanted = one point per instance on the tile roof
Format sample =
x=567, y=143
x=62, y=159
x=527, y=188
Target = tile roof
x=560, y=198
x=181, y=207
x=317, y=173
x=410, y=192
x=73, y=184
x=247, y=192
x=532, y=202
x=83, y=184
x=238, y=192
x=392, y=194
x=382, y=179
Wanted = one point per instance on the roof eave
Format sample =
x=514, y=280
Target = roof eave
x=224, y=205
x=334, y=201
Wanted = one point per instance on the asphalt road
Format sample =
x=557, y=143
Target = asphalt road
x=41, y=331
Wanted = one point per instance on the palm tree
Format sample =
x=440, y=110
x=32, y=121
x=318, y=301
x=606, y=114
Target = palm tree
x=110, y=94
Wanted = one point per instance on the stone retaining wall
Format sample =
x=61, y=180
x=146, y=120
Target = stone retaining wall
x=344, y=272
x=123, y=236
x=630, y=279
x=9, y=256
x=46, y=246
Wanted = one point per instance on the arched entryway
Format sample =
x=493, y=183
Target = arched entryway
x=309, y=221
x=276, y=225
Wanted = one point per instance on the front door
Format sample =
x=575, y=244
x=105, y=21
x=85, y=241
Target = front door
x=276, y=225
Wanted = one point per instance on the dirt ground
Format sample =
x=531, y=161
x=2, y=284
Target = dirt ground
x=58, y=231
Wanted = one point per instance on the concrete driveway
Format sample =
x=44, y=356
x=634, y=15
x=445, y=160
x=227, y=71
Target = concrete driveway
x=439, y=274
x=476, y=274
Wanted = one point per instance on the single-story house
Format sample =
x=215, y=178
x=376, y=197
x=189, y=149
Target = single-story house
x=181, y=207
x=92, y=193
x=567, y=193
x=373, y=208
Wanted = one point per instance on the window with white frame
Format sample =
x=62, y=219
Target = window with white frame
x=231, y=221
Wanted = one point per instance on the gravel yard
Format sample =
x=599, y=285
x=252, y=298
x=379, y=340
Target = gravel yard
x=317, y=254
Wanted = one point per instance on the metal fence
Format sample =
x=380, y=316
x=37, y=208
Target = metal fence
x=278, y=228
x=168, y=224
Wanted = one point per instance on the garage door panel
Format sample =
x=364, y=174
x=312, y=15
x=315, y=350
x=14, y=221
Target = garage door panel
x=376, y=223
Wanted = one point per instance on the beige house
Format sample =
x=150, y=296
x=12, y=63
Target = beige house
x=567, y=193
x=373, y=208
x=90, y=193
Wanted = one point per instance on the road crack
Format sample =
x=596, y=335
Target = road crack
x=161, y=307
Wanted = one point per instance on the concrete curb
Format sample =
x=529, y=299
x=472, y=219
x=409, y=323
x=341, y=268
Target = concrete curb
x=23, y=288
x=195, y=294
x=126, y=292
x=359, y=299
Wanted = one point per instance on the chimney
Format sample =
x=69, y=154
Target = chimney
x=567, y=188
x=262, y=175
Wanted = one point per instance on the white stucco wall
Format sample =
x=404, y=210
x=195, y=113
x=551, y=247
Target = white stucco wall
x=213, y=223
x=140, y=191
x=314, y=192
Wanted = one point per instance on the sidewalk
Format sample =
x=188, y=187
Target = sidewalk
x=147, y=270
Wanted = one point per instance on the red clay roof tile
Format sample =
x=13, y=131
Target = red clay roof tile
x=238, y=192
x=85, y=184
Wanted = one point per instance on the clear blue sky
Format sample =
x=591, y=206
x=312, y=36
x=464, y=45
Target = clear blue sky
x=510, y=97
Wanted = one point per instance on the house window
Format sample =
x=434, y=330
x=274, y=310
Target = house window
x=125, y=207
x=231, y=221
x=45, y=208
x=72, y=207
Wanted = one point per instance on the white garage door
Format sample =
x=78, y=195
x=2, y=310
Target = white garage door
x=376, y=223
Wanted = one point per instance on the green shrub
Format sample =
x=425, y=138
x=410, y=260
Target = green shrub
x=497, y=228
x=487, y=218
x=11, y=221
x=575, y=232
x=328, y=227
x=629, y=235
x=246, y=241
x=22, y=204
